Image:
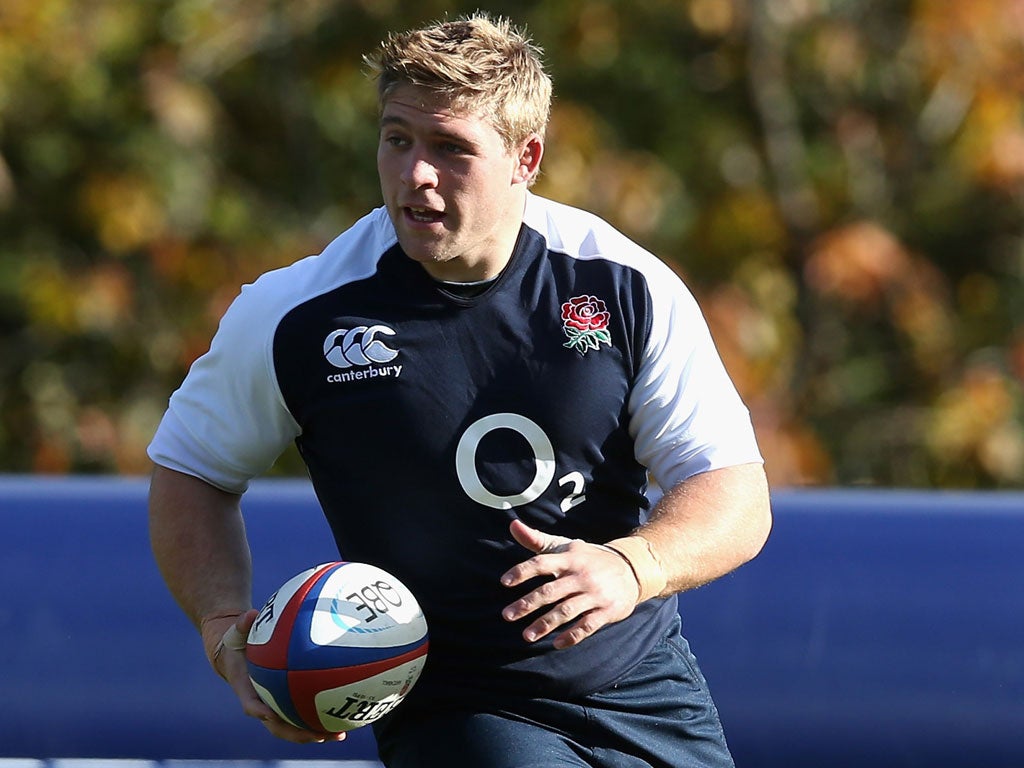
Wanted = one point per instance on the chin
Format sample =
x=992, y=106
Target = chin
x=421, y=254
x=430, y=260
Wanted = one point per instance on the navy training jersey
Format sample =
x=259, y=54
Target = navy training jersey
x=429, y=421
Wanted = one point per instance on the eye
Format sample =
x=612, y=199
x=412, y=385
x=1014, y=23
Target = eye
x=395, y=140
x=451, y=148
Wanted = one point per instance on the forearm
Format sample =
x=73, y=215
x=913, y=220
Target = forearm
x=198, y=539
x=703, y=528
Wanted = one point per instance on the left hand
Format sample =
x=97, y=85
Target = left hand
x=229, y=662
x=590, y=586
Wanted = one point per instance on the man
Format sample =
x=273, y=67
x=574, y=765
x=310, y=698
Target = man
x=480, y=382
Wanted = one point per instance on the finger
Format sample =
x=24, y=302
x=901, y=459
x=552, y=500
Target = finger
x=591, y=597
x=534, y=540
x=230, y=663
x=229, y=653
x=255, y=707
x=563, y=613
x=246, y=620
x=587, y=625
x=233, y=640
x=548, y=593
x=285, y=730
x=541, y=565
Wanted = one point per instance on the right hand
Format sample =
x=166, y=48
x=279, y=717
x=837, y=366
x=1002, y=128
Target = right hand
x=588, y=586
x=231, y=665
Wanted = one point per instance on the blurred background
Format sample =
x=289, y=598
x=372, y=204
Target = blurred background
x=840, y=182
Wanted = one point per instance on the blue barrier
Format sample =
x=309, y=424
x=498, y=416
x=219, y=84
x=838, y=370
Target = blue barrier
x=876, y=628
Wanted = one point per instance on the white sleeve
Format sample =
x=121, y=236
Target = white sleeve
x=686, y=416
x=228, y=422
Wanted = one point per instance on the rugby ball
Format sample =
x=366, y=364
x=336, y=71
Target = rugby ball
x=337, y=647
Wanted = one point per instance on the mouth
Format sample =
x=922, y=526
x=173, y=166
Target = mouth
x=423, y=215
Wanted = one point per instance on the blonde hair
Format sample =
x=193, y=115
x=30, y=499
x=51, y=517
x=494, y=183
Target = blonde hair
x=479, y=64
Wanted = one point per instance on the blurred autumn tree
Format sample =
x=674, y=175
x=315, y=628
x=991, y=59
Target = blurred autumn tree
x=841, y=182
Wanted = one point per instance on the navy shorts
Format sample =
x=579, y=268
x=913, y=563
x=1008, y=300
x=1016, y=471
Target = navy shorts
x=659, y=715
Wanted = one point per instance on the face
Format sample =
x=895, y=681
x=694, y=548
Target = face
x=454, y=191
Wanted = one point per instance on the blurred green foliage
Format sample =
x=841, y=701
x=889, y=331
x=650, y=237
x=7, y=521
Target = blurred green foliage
x=841, y=182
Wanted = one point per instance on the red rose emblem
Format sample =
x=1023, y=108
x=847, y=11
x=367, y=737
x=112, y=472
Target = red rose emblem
x=585, y=313
x=585, y=322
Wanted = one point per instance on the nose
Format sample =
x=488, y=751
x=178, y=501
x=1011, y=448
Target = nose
x=419, y=172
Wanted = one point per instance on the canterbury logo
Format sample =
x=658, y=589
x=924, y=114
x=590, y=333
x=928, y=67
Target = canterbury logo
x=358, y=346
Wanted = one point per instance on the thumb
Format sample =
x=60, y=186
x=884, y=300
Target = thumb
x=246, y=620
x=536, y=541
x=236, y=636
x=223, y=634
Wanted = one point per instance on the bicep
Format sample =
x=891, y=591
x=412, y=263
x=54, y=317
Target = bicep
x=686, y=416
x=711, y=523
x=170, y=489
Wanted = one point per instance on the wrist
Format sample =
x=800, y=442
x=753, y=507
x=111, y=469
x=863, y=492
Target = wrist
x=212, y=630
x=644, y=562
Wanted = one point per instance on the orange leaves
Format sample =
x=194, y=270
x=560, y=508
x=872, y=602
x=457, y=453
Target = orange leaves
x=972, y=51
x=582, y=167
x=840, y=184
x=185, y=110
x=866, y=269
x=95, y=300
x=977, y=424
x=982, y=40
x=124, y=209
x=715, y=17
x=856, y=264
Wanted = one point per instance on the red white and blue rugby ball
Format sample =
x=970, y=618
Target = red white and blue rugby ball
x=337, y=647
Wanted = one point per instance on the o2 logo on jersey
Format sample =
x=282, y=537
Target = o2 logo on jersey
x=358, y=346
x=544, y=462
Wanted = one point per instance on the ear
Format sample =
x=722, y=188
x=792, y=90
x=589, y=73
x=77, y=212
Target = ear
x=529, y=155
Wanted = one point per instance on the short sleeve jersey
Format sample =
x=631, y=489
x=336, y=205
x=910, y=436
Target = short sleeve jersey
x=429, y=421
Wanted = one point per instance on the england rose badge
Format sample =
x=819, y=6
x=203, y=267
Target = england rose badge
x=585, y=323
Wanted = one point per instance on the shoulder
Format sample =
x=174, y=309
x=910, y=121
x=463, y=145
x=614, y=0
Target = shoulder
x=351, y=256
x=227, y=421
x=248, y=331
x=584, y=235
